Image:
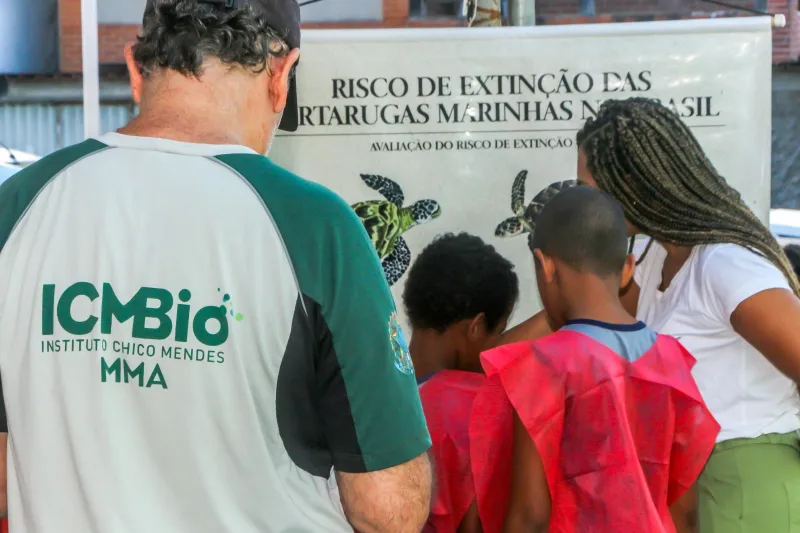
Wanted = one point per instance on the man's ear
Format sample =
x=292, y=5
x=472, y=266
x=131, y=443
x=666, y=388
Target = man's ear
x=545, y=265
x=281, y=68
x=627, y=271
x=134, y=73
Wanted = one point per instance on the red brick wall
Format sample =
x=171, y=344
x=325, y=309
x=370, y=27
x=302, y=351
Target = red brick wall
x=112, y=41
x=786, y=41
x=112, y=38
x=69, y=31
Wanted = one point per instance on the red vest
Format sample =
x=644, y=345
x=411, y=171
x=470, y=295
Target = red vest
x=447, y=400
x=619, y=441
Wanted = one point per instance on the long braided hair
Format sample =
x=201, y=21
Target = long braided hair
x=641, y=152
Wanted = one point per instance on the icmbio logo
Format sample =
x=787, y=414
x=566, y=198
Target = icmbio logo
x=208, y=325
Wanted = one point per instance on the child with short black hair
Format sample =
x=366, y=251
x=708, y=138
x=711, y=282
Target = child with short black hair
x=610, y=431
x=458, y=297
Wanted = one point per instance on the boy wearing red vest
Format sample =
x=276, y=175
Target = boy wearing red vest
x=458, y=297
x=610, y=431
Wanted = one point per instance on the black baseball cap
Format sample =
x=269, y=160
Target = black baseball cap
x=283, y=16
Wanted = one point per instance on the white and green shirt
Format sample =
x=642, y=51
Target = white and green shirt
x=191, y=339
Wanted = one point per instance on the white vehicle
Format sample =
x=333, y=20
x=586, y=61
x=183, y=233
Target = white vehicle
x=785, y=225
x=6, y=172
x=12, y=161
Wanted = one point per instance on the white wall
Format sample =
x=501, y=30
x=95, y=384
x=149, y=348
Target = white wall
x=130, y=11
x=341, y=10
x=120, y=11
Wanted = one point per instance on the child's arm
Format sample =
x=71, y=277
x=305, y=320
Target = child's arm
x=534, y=328
x=529, y=502
x=684, y=511
x=471, y=523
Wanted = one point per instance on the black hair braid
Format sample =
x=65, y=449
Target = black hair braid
x=641, y=152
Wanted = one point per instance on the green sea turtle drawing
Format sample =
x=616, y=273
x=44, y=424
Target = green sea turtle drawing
x=524, y=219
x=387, y=220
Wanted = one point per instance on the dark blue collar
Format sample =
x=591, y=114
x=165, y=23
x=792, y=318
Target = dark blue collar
x=423, y=379
x=606, y=325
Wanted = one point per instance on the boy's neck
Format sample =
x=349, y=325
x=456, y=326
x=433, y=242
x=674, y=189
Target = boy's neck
x=598, y=300
x=432, y=351
x=428, y=352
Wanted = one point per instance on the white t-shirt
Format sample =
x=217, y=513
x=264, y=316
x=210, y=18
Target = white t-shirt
x=191, y=338
x=745, y=392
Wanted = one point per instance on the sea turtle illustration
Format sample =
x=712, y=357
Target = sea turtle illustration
x=387, y=220
x=524, y=219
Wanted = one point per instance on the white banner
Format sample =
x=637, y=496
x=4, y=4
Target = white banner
x=425, y=131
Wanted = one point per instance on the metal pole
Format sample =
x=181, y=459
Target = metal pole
x=522, y=12
x=91, y=69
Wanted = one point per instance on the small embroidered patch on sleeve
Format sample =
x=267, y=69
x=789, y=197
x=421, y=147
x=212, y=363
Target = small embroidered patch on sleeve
x=402, y=357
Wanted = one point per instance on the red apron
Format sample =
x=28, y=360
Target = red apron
x=447, y=400
x=619, y=441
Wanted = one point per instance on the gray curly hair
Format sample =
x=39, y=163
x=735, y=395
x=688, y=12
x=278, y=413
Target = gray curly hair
x=181, y=35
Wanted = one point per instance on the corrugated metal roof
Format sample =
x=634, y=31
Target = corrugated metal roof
x=43, y=129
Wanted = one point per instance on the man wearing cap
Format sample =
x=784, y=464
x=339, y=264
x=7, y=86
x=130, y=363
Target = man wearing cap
x=193, y=339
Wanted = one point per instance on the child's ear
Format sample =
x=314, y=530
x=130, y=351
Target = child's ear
x=545, y=266
x=627, y=271
x=477, y=327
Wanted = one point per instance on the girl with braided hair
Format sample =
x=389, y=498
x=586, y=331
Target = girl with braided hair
x=712, y=275
x=793, y=253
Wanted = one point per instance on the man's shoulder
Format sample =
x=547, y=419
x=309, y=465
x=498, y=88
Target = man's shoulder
x=36, y=175
x=310, y=217
x=18, y=192
x=278, y=186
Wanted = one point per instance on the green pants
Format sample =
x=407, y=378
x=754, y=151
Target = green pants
x=752, y=486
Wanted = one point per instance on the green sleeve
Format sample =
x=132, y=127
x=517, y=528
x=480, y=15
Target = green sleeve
x=369, y=398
